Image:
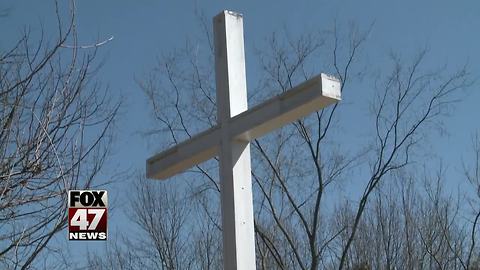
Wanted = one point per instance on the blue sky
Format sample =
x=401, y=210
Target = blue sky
x=144, y=29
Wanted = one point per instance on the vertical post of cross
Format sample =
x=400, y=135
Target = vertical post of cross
x=235, y=168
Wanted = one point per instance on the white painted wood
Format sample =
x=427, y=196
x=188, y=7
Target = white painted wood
x=310, y=96
x=237, y=126
x=295, y=103
x=235, y=171
x=184, y=155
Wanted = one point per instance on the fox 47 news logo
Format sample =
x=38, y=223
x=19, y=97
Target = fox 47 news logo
x=87, y=214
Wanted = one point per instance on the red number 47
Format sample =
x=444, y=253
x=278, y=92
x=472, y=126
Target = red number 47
x=80, y=218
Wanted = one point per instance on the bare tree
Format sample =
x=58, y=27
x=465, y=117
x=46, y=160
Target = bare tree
x=166, y=239
x=473, y=176
x=54, y=136
x=413, y=223
x=162, y=219
x=409, y=101
x=295, y=172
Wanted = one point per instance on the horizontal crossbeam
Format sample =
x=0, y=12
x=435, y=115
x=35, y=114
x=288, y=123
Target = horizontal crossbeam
x=185, y=155
x=308, y=97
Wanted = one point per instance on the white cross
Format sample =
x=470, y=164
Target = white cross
x=230, y=138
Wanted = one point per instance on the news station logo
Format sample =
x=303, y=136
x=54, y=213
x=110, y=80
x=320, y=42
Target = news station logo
x=87, y=214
